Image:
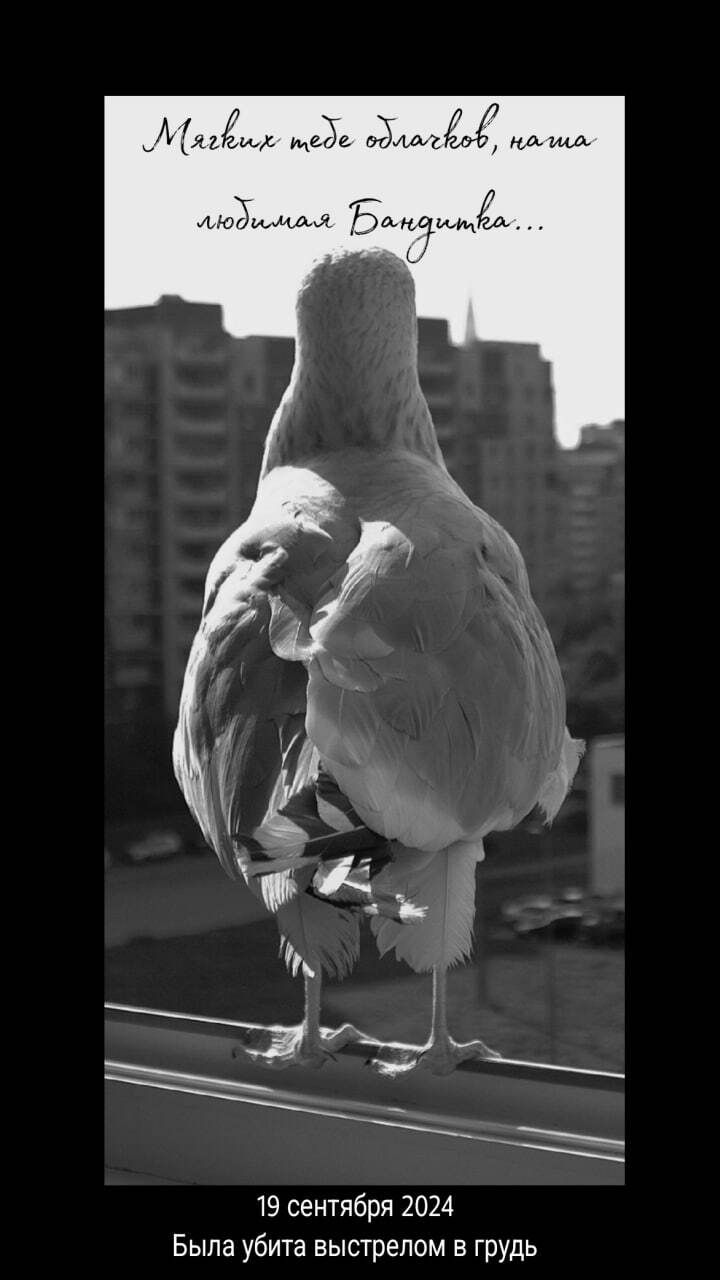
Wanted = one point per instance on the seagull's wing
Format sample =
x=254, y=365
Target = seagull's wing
x=241, y=754
x=239, y=744
x=434, y=696
x=249, y=773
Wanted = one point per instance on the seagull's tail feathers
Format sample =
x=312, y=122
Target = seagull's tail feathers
x=557, y=785
x=354, y=887
x=316, y=864
x=315, y=826
x=442, y=883
x=335, y=855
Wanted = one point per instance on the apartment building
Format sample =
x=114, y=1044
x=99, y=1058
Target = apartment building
x=493, y=408
x=171, y=495
x=595, y=509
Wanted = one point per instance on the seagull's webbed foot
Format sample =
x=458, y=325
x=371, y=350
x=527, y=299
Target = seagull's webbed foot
x=279, y=1047
x=441, y=1056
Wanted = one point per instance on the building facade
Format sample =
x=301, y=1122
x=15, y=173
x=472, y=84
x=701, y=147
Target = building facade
x=494, y=412
x=595, y=510
x=171, y=496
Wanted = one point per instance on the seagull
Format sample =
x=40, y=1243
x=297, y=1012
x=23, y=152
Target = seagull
x=372, y=689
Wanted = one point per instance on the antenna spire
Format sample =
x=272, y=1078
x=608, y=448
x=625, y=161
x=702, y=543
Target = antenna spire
x=470, y=332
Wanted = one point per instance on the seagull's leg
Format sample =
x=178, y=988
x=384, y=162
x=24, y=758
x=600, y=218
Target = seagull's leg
x=319, y=1040
x=305, y=1046
x=441, y=1054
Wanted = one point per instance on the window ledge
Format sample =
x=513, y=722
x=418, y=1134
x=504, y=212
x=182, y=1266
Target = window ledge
x=181, y=1108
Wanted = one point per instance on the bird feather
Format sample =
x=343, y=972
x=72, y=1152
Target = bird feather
x=317, y=935
x=443, y=883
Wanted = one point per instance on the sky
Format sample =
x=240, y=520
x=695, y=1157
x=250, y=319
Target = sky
x=553, y=276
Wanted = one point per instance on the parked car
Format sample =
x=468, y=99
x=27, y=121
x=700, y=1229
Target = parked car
x=562, y=921
x=155, y=845
x=604, y=922
x=571, y=915
x=520, y=907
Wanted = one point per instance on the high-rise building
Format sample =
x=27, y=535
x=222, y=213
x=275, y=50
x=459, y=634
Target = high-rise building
x=171, y=497
x=261, y=369
x=493, y=408
x=595, y=509
x=519, y=478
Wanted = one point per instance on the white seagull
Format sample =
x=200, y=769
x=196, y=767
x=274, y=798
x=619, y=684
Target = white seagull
x=372, y=689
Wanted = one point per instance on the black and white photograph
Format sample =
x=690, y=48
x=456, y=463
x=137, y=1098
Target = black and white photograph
x=364, y=660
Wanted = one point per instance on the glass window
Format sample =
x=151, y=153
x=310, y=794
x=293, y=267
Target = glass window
x=493, y=363
x=617, y=788
x=546, y=980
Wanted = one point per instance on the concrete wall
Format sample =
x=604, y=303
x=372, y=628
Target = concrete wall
x=607, y=814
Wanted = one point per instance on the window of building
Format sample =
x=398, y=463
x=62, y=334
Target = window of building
x=494, y=424
x=192, y=586
x=202, y=482
x=493, y=363
x=617, y=788
x=199, y=552
x=201, y=410
x=436, y=384
x=200, y=517
x=200, y=374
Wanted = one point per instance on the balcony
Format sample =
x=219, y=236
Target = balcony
x=192, y=494
x=213, y=422
x=183, y=389
x=195, y=551
x=440, y=399
x=133, y=677
x=186, y=568
x=192, y=354
x=187, y=601
x=430, y=366
x=211, y=526
x=189, y=459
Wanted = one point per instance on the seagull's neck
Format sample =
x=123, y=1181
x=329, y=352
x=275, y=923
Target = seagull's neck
x=352, y=391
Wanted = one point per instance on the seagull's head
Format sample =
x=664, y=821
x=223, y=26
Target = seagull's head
x=357, y=309
x=355, y=380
